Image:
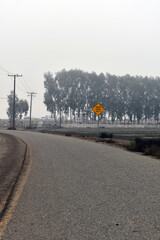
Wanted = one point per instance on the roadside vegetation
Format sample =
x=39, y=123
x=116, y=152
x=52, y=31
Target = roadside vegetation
x=146, y=146
x=146, y=141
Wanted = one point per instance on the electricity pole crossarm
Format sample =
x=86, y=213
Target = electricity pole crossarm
x=31, y=94
x=14, y=96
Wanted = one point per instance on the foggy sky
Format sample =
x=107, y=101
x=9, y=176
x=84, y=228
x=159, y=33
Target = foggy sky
x=37, y=36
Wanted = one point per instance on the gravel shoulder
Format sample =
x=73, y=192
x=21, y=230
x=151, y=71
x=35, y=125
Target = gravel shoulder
x=12, y=151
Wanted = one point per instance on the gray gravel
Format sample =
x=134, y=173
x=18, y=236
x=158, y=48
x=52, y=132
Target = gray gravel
x=81, y=190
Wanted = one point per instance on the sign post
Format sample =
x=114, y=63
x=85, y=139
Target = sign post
x=98, y=109
x=98, y=127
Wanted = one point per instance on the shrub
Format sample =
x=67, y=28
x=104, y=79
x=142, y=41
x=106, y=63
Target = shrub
x=152, y=150
x=106, y=135
x=143, y=144
x=110, y=141
x=68, y=134
x=132, y=146
x=148, y=146
x=140, y=144
x=158, y=154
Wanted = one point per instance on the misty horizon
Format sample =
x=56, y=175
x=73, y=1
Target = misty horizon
x=119, y=37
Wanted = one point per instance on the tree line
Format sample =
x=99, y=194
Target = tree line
x=75, y=92
x=21, y=107
x=124, y=98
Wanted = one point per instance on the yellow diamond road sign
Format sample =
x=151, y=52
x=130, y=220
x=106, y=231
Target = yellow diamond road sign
x=98, y=109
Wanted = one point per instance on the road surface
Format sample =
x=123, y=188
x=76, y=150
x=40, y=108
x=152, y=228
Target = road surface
x=81, y=190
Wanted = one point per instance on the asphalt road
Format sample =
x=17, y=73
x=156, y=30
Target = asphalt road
x=79, y=190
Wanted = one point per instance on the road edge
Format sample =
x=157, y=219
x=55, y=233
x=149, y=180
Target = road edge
x=10, y=200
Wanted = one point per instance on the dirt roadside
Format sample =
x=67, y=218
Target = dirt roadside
x=12, y=152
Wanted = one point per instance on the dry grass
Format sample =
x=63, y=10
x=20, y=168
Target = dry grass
x=118, y=143
x=153, y=150
x=137, y=140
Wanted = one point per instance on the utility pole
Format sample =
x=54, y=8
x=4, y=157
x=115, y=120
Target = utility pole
x=14, y=97
x=31, y=94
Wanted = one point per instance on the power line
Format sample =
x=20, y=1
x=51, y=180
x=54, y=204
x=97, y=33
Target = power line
x=40, y=99
x=20, y=89
x=23, y=86
x=31, y=94
x=14, y=75
x=26, y=84
x=5, y=70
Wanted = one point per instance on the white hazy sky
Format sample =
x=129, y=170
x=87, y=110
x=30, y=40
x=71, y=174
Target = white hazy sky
x=36, y=36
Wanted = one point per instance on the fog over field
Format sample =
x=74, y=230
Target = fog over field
x=119, y=37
